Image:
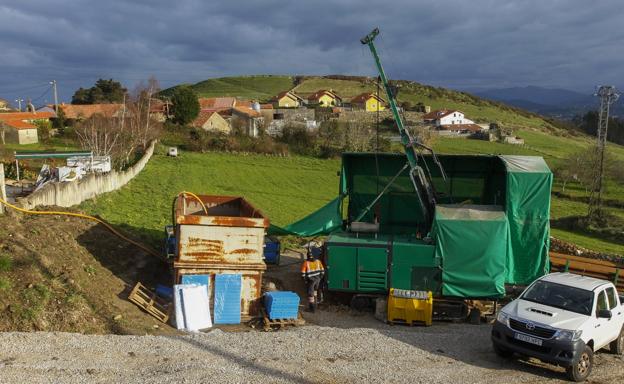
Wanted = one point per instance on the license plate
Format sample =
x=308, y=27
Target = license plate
x=528, y=339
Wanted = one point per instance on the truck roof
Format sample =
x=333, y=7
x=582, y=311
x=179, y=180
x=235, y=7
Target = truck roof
x=578, y=281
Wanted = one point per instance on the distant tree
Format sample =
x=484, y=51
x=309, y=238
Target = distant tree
x=59, y=121
x=185, y=106
x=104, y=91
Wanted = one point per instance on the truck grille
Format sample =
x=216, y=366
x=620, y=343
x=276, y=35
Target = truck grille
x=521, y=326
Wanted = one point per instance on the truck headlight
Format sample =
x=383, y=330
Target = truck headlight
x=565, y=335
x=503, y=318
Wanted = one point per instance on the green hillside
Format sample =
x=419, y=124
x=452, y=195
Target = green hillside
x=262, y=87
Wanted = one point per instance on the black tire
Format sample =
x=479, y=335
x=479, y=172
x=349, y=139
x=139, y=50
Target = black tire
x=581, y=370
x=502, y=352
x=617, y=345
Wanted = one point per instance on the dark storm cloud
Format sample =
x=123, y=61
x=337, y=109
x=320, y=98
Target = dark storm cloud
x=479, y=43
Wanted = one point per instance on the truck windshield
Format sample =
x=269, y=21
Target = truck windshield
x=560, y=296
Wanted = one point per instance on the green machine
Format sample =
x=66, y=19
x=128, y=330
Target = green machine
x=461, y=226
x=489, y=227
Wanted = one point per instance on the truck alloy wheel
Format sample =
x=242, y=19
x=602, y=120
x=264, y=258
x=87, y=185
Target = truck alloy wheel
x=581, y=370
x=617, y=345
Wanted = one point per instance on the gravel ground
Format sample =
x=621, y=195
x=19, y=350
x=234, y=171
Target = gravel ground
x=358, y=350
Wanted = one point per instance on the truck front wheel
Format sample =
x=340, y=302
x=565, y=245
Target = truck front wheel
x=617, y=345
x=581, y=370
x=502, y=352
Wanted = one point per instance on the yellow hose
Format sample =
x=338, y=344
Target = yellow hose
x=196, y=198
x=108, y=226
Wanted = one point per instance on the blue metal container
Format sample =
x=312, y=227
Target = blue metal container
x=281, y=305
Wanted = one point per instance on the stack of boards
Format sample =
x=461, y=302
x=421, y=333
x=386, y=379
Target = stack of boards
x=192, y=301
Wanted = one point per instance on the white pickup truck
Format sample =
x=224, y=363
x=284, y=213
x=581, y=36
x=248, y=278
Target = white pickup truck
x=562, y=319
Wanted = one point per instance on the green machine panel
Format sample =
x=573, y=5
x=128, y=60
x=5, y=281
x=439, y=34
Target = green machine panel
x=372, y=269
x=357, y=264
x=341, y=268
x=415, y=266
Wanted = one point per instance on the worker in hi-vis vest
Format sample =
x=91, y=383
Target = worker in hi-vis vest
x=312, y=272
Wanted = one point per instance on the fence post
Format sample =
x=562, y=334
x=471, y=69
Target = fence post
x=2, y=189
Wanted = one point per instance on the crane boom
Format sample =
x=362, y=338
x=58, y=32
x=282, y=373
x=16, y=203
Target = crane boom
x=424, y=190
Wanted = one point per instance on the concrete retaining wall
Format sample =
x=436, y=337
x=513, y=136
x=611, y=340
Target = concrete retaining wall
x=71, y=193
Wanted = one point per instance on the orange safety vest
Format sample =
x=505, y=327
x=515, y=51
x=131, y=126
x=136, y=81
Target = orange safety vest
x=312, y=268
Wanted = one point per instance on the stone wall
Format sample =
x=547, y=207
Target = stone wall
x=72, y=193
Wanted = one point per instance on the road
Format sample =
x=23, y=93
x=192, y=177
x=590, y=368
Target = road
x=356, y=348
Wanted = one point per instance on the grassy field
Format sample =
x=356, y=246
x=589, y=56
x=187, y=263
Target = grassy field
x=284, y=188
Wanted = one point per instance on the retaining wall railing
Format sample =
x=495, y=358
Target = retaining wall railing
x=67, y=194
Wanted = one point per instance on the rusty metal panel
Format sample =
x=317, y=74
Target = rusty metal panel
x=220, y=245
x=251, y=288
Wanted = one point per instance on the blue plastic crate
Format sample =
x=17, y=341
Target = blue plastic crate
x=281, y=305
x=227, y=298
x=271, y=250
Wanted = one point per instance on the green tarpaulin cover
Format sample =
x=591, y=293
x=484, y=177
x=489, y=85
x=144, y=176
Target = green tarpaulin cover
x=321, y=222
x=473, y=243
x=529, y=182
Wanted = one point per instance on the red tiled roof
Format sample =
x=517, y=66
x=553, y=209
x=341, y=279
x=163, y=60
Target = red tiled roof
x=18, y=124
x=203, y=116
x=361, y=98
x=318, y=94
x=216, y=102
x=84, y=111
x=247, y=111
x=462, y=127
x=266, y=106
x=243, y=103
x=438, y=114
x=26, y=115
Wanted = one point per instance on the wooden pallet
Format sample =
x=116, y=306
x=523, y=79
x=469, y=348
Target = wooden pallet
x=150, y=302
x=279, y=323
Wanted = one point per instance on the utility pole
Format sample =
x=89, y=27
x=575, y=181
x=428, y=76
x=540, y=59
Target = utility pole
x=53, y=83
x=19, y=104
x=608, y=95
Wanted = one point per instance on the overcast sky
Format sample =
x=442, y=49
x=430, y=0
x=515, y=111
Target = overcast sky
x=461, y=44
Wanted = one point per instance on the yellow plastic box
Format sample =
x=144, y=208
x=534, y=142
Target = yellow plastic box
x=409, y=307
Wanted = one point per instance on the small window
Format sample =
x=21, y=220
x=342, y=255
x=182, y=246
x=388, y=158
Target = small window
x=602, y=302
x=612, y=298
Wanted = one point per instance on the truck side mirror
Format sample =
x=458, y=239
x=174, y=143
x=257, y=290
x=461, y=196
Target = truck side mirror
x=604, y=314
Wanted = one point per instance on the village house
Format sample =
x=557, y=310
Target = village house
x=212, y=121
x=287, y=99
x=20, y=127
x=248, y=120
x=369, y=102
x=4, y=105
x=324, y=98
x=443, y=117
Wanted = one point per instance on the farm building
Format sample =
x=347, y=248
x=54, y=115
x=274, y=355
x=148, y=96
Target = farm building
x=248, y=120
x=287, y=99
x=442, y=117
x=369, y=102
x=324, y=98
x=20, y=128
x=206, y=103
x=212, y=121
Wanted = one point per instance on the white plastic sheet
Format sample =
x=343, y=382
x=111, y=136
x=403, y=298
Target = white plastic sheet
x=192, y=307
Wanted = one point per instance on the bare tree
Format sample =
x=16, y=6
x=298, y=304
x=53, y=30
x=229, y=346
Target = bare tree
x=129, y=131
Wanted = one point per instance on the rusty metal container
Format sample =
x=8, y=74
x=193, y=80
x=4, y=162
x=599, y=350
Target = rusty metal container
x=229, y=238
